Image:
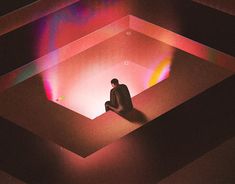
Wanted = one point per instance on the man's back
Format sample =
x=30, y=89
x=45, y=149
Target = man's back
x=120, y=95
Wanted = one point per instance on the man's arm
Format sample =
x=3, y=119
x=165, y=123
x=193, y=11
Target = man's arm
x=119, y=107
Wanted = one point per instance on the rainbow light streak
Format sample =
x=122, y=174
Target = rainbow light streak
x=161, y=72
x=23, y=75
x=48, y=89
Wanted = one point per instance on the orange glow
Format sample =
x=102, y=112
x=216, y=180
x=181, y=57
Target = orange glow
x=161, y=72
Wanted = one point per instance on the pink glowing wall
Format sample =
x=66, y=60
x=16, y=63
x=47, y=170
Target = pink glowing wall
x=82, y=83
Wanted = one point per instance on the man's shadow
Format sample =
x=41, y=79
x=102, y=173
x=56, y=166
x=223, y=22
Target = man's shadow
x=135, y=116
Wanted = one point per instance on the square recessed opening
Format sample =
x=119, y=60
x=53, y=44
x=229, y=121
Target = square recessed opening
x=82, y=83
x=129, y=47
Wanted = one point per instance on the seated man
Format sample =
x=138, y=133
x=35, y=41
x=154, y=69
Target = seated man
x=120, y=99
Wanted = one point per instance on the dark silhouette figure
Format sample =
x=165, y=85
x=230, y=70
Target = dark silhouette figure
x=120, y=99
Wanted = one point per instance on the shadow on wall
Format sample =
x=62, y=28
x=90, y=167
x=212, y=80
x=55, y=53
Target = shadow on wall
x=135, y=116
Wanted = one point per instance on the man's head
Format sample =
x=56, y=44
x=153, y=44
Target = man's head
x=114, y=82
